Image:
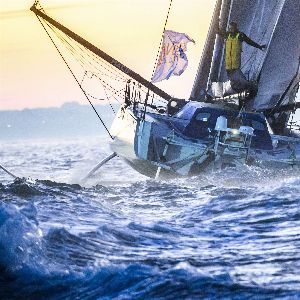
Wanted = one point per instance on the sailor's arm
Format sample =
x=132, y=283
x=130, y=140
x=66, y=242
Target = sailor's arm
x=250, y=42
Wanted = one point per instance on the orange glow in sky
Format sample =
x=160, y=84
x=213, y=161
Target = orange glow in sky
x=32, y=73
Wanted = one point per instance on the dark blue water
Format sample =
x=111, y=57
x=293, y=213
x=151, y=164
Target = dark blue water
x=233, y=234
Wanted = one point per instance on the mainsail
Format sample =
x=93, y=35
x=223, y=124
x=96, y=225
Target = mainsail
x=275, y=71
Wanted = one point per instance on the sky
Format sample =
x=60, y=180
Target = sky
x=33, y=75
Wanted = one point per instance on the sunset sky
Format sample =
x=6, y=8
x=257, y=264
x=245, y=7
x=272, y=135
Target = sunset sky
x=32, y=73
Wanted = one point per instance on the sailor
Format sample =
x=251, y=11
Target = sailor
x=233, y=51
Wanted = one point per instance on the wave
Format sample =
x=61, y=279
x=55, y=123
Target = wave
x=20, y=238
x=181, y=239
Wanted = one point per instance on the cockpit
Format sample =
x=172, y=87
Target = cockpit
x=197, y=120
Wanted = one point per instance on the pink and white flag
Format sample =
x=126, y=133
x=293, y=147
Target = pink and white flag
x=172, y=59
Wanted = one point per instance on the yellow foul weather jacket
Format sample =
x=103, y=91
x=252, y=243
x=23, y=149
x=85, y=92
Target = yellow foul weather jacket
x=233, y=52
x=233, y=48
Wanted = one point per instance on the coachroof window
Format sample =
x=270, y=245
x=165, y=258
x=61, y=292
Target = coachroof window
x=202, y=117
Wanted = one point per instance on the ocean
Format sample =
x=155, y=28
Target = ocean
x=230, y=234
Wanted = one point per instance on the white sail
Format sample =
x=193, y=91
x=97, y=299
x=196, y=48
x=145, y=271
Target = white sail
x=275, y=70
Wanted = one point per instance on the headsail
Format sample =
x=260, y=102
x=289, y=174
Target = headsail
x=279, y=73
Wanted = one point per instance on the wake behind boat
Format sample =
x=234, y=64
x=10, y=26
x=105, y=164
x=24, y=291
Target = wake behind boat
x=159, y=135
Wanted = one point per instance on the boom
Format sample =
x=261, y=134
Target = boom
x=101, y=54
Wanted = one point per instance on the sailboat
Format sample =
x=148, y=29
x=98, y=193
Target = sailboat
x=161, y=136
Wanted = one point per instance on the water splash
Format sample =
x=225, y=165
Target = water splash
x=227, y=234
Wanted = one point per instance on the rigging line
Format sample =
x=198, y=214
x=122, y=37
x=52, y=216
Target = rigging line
x=145, y=90
x=74, y=52
x=108, y=99
x=109, y=86
x=154, y=98
x=103, y=55
x=83, y=59
x=69, y=47
x=102, y=63
x=87, y=51
x=162, y=37
x=85, y=73
x=97, y=60
x=76, y=79
x=100, y=99
x=91, y=61
x=113, y=95
x=76, y=55
x=279, y=102
x=83, y=66
x=90, y=95
x=87, y=64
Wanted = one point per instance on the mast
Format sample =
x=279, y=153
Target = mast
x=218, y=54
x=201, y=80
x=101, y=54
